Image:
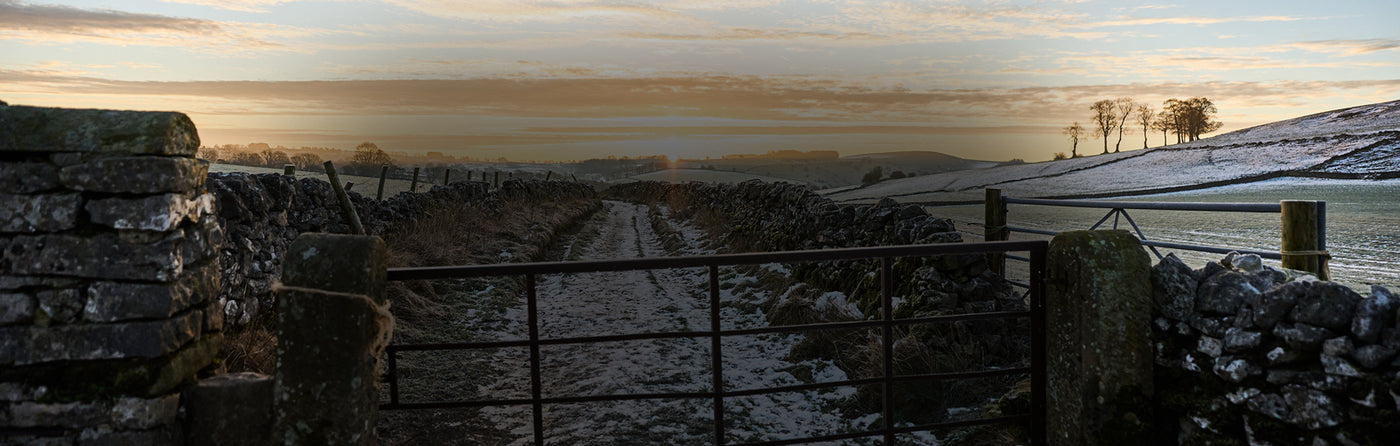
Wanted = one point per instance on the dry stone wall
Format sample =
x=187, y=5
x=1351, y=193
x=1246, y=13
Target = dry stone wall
x=109, y=271
x=262, y=213
x=1249, y=354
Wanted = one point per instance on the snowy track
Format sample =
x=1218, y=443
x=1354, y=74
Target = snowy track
x=649, y=302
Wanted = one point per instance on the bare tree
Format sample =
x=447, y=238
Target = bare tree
x=1144, y=115
x=1105, y=120
x=367, y=159
x=275, y=158
x=1123, y=107
x=1192, y=117
x=305, y=161
x=1162, y=123
x=1074, y=131
x=208, y=153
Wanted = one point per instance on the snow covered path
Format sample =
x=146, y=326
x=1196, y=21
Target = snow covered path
x=650, y=302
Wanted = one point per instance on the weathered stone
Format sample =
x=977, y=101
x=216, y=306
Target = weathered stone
x=1372, y=356
x=1334, y=365
x=62, y=305
x=1211, y=326
x=327, y=362
x=137, y=175
x=1234, y=369
x=1280, y=355
x=203, y=242
x=16, y=308
x=167, y=435
x=1325, y=304
x=40, y=129
x=1173, y=288
x=161, y=213
x=116, y=301
x=1224, y=293
x=12, y=283
x=1100, y=353
x=1210, y=346
x=1249, y=263
x=1303, y=336
x=27, y=177
x=182, y=366
x=1210, y=270
x=340, y=263
x=1337, y=346
x=21, y=345
x=1237, y=340
x=39, y=213
x=1373, y=314
x=102, y=256
x=1274, y=305
x=1271, y=405
x=1311, y=408
x=123, y=413
x=230, y=410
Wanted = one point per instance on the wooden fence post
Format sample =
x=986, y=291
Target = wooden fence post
x=995, y=230
x=1304, y=237
x=289, y=169
x=383, y=172
x=469, y=175
x=413, y=186
x=496, y=182
x=347, y=209
x=547, y=175
x=446, y=174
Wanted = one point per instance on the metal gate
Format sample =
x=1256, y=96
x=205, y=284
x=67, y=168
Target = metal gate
x=1035, y=419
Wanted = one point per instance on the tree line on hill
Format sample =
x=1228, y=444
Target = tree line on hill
x=1188, y=119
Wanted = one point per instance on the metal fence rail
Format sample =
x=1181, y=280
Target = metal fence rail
x=1304, y=224
x=718, y=393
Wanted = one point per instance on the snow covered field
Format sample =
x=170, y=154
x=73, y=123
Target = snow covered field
x=1359, y=142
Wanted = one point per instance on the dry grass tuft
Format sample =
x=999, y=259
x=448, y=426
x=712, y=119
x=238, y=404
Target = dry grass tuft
x=252, y=348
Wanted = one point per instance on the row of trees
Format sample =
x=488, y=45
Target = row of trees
x=366, y=160
x=1188, y=119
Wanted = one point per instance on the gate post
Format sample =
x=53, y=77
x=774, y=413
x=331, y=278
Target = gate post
x=1304, y=231
x=333, y=324
x=1098, y=333
x=995, y=222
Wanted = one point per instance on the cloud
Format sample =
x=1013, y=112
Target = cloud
x=235, y=5
x=1347, y=47
x=54, y=24
x=507, y=11
x=1189, y=20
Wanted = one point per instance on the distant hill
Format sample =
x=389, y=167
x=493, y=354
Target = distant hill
x=844, y=171
x=1356, y=142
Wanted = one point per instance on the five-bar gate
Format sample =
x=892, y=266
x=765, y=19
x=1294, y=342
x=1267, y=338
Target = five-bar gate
x=1035, y=419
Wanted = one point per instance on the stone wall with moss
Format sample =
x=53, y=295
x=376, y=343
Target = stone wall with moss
x=108, y=274
x=1250, y=354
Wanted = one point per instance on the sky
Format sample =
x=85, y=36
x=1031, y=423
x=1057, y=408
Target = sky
x=578, y=79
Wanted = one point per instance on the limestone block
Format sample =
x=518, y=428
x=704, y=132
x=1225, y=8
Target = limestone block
x=1325, y=304
x=61, y=305
x=1098, y=312
x=20, y=345
x=341, y=263
x=27, y=177
x=137, y=175
x=1223, y=293
x=16, y=308
x=1174, y=288
x=40, y=129
x=101, y=256
x=327, y=362
x=230, y=410
x=114, y=301
x=160, y=213
x=123, y=413
x=1373, y=314
x=39, y=213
